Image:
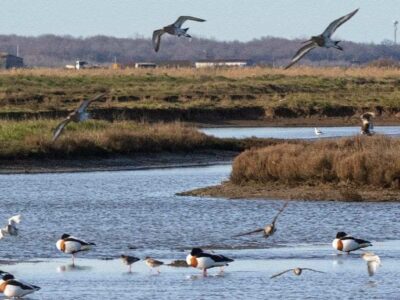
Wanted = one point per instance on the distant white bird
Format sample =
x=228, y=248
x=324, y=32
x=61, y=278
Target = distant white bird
x=367, y=125
x=11, y=227
x=296, y=271
x=173, y=29
x=323, y=40
x=78, y=115
x=269, y=229
x=373, y=262
x=318, y=131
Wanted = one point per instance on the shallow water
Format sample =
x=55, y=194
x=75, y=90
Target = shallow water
x=294, y=132
x=140, y=209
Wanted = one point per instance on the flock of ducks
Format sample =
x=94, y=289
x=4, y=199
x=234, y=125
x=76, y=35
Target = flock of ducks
x=324, y=40
x=197, y=258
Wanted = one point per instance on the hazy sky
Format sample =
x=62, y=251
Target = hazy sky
x=226, y=19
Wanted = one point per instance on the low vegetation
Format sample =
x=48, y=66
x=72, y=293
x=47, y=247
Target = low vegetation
x=359, y=161
x=32, y=139
x=192, y=94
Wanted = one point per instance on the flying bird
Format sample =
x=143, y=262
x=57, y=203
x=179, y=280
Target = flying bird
x=72, y=245
x=269, y=229
x=204, y=261
x=173, y=29
x=129, y=260
x=318, y=131
x=14, y=288
x=373, y=262
x=78, y=115
x=153, y=263
x=323, y=40
x=11, y=227
x=296, y=271
x=367, y=126
x=346, y=243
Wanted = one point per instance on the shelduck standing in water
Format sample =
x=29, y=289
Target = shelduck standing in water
x=346, y=243
x=204, y=261
x=72, y=245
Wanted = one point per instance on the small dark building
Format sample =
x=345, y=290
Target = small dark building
x=9, y=61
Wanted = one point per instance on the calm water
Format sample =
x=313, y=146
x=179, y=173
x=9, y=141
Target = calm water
x=294, y=132
x=140, y=209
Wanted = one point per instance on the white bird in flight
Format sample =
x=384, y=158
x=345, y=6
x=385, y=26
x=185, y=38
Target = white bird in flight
x=323, y=40
x=296, y=271
x=173, y=29
x=318, y=131
x=11, y=227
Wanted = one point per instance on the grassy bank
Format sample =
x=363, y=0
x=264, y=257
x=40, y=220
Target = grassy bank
x=195, y=95
x=32, y=139
x=359, y=168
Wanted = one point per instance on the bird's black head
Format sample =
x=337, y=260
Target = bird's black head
x=8, y=277
x=341, y=234
x=196, y=251
x=65, y=236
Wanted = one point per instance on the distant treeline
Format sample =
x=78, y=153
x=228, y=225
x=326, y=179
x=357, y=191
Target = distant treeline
x=56, y=51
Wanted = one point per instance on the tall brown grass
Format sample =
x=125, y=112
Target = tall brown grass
x=359, y=161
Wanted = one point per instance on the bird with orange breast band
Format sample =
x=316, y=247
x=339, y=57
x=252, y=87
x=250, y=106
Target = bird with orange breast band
x=204, y=261
x=72, y=245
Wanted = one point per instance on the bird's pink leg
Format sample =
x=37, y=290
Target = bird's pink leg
x=204, y=272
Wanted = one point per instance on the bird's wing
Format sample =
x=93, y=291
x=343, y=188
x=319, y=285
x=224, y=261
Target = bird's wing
x=301, y=52
x=308, y=269
x=281, y=273
x=372, y=267
x=2, y=233
x=179, y=22
x=279, y=212
x=74, y=239
x=337, y=23
x=59, y=129
x=14, y=220
x=157, y=39
x=250, y=232
x=84, y=105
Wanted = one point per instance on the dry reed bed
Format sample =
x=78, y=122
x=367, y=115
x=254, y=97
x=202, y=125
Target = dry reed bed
x=32, y=139
x=359, y=161
x=368, y=72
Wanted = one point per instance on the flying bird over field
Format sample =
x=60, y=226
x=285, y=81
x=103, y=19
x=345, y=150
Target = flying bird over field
x=346, y=243
x=367, y=126
x=269, y=229
x=323, y=40
x=78, y=115
x=296, y=271
x=373, y=262
x=317, y=131
x=173, y=29
x=11, y=227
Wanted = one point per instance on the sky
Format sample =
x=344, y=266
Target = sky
x=227, y=20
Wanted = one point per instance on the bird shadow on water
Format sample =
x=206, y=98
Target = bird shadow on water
x=209, y=276
x=72, y=268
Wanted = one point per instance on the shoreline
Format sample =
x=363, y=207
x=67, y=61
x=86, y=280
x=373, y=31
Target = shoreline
x=118, y=163
x=277, y=191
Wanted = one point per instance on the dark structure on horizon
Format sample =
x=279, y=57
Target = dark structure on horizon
x=9, y=61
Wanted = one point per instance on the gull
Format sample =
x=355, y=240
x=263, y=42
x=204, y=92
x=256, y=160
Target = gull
x=373, y=262
x=78, y=115
x=129, y=260
x=173, y=29
x=296, y=271
x=269, y=229
x=11, y=227
x=153, y=263
x=367, y=125
x=323, y=40
x=318, y=131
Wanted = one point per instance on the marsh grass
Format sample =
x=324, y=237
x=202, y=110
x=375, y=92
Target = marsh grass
x=359, y=161
x=94, y=138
